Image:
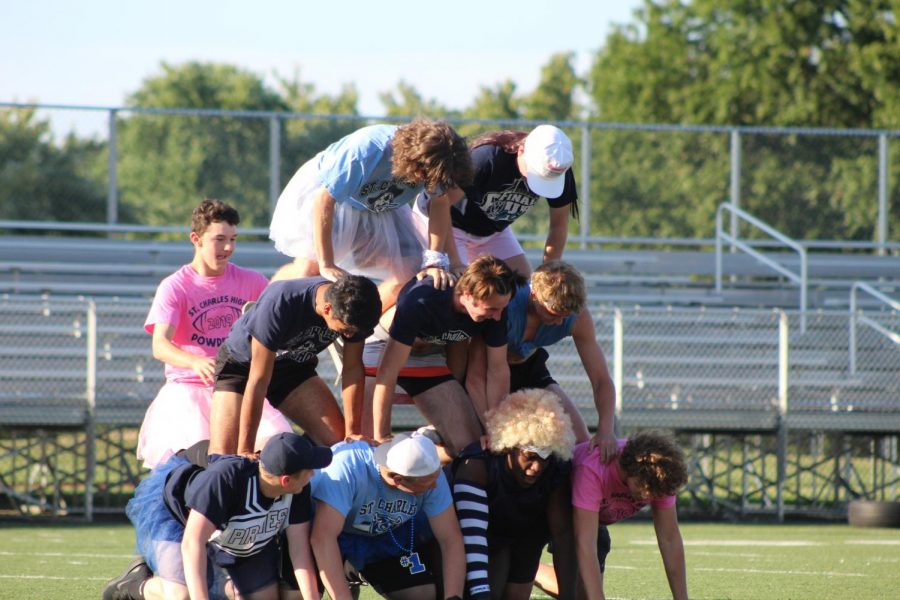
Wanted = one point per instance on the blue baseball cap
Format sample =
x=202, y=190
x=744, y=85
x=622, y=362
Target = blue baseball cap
x=287, y=453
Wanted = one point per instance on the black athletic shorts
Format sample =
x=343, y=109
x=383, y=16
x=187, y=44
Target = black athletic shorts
x=524, y=558
x=418, y=385
x=532, y=373
x=388, y=575
x=287, y=375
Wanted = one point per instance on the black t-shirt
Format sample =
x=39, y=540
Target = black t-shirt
x=285, y=321
x=426, y=313
x=499, y=194
x=515, y=512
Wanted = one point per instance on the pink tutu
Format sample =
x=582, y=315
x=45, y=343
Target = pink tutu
x=179, y=418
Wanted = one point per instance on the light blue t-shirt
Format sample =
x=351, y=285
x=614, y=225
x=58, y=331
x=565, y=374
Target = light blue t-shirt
x=357, y=169
x=352, y=486
x=517, y=318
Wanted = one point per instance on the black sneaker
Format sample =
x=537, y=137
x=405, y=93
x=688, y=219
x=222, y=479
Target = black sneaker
x=127, y=586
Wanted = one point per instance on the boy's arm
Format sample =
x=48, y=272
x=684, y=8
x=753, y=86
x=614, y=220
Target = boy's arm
x=197, y=531
x=165, y=351
x=392, y=360
x=326, y=527
x=584, y=336
x=302, y=559
x=497, y=385
x=586, y=524
x=557, y=234
x=477, y=376
x=353, y=385
x=440, y=235
x=323, y=229
x=446, y=532
x=262, y=363
x=671, y=548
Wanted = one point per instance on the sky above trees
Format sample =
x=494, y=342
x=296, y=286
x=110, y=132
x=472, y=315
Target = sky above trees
x=791, y=63
x=97, y=52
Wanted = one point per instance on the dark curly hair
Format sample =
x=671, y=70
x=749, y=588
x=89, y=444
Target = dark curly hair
x=354, y=300
x=657, y=462
x=431, y=152
x=212, y=211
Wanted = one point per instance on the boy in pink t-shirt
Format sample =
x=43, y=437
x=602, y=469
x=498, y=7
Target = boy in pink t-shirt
x=192, y=313
x=650, y=470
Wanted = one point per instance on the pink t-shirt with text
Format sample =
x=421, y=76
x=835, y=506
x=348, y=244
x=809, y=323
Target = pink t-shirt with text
x=598, y=488
x=202, y=310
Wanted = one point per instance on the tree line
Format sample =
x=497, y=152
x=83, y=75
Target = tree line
x=782, y=63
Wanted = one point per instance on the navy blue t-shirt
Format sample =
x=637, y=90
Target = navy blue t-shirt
x=499, y=194
x=285, y=321
x=228, y=494
x=427, y=313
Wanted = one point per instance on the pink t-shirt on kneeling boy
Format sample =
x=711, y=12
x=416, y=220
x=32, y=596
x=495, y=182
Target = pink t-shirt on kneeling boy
x=597, y=487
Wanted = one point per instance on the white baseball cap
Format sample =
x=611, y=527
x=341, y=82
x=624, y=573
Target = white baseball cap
x=548, y=155
x=410, y=456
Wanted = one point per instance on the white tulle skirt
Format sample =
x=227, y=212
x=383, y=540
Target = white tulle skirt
x=179, y=418
x=378, y=245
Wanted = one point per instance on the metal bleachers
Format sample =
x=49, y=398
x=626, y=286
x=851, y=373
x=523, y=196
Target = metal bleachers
x=77, y=372
x=120, y=267
x=48, y=345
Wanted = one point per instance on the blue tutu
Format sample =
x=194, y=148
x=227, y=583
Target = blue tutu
x=153, y=521
x=362, y=550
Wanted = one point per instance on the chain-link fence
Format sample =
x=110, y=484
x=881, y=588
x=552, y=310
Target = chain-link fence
x=653, y=184
x=78, y=374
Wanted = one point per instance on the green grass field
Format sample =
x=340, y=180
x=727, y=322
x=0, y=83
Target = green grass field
x=72, y=562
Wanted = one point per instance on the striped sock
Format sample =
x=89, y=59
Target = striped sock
x=472, y=510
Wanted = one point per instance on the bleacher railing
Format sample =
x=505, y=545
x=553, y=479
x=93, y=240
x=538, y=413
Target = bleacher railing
x=857, y=316
x=801, y=279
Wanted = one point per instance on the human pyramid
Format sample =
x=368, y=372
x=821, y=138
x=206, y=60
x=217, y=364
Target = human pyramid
x=237, y=505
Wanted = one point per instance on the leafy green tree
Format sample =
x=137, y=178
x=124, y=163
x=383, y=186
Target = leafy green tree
x=303, y=138
x=819, y=63
x=44, y=181
x=168, y=163
x=406, y=101
x=498, y=102
x=554, y=97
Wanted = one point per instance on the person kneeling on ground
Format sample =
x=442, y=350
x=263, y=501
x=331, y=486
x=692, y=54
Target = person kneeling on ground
x=650, y=470
x=230, y=513
x=514, y=498
x=378, y=509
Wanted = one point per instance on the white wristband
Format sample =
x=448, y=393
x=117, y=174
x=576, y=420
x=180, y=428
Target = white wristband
x=433, y=258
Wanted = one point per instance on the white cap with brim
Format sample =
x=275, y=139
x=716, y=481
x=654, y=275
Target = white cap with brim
x=410, y=456
x=548, y=155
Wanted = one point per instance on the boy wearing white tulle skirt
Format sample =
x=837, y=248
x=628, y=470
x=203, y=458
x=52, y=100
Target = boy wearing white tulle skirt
x=347, y=209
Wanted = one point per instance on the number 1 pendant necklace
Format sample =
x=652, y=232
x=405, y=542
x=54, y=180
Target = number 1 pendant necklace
x=410, y=560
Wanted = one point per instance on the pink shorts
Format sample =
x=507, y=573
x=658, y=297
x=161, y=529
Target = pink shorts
x=502, y=244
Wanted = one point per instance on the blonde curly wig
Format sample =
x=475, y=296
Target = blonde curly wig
x=531, y=417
